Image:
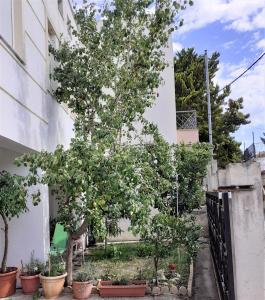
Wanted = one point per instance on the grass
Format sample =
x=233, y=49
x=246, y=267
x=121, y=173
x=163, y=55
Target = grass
x=133, y=261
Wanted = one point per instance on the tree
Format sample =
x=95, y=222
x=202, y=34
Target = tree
x=191, y=166
x=110, y=76
x=165, y=232
x=227, y=116
x=92, y=184
x=12, y=204
x=107, y=76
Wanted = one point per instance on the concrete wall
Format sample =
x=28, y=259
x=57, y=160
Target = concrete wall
x=244, y=182
x=163, y=112
x=187, y=136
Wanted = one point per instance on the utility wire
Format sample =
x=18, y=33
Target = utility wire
x=243, y=72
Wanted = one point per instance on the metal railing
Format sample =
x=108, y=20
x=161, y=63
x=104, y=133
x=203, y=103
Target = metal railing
x=186, y=119
x=220, y=242
x=250, y=152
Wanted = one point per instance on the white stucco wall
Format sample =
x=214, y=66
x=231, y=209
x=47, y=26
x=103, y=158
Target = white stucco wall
x=30, y=118
x=163, y=112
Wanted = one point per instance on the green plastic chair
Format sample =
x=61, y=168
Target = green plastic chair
x=59, y=240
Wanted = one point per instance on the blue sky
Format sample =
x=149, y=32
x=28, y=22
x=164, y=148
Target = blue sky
x=236, y=29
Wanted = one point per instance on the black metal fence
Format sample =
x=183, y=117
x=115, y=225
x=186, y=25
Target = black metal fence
x=220, y=242
x=250, y=152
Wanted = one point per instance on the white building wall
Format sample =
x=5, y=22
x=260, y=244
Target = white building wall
x=30, y=118
x=163, y=112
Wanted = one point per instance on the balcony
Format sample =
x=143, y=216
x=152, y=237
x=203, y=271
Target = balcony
x=187, y=131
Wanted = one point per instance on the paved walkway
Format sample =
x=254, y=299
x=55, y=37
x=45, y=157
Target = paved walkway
x=204, y=281
x=68, y=296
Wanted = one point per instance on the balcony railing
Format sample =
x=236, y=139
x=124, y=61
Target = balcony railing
x=186, y=119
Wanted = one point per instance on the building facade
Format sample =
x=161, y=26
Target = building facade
x=30, y=118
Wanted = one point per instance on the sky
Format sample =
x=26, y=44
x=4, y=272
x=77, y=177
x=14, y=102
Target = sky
x=236, y=29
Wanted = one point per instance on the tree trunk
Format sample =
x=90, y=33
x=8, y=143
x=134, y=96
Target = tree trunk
x=156, y=269
x=106, y=237
x=69, y=251
x=3, y=265
x=69, y=261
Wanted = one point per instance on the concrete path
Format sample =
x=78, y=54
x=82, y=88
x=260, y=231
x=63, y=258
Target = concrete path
x=68, y=296
x=204, y=281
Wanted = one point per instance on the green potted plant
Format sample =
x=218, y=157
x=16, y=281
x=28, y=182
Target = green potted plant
x=82, y=283
x=30, y=280
x=53, y=276
x=12, y=204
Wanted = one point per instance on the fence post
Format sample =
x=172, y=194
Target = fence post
x=245, y=203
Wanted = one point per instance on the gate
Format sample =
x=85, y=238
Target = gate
x=220, y=242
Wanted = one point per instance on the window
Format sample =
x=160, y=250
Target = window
x=60, y=7
x=18, y=32
x=52, y=41
x=6, y=21
x=69, y=29
x=11, y=26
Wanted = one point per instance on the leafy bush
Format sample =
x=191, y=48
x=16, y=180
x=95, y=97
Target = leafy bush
x=34, y=267
x=82, y=276
x=167, y=232
x=12, y=204
x=87, y=273
x=122, y=281
x=144, y=250
x=55, y=266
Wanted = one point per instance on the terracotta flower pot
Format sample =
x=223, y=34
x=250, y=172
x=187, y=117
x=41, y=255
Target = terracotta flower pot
x=82, y=290
x=134, y=289
x=52, y=286
x=8, y=282
x=172, y=267
x=30, y=283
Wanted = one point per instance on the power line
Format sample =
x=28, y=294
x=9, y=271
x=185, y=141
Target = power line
x=243, y=72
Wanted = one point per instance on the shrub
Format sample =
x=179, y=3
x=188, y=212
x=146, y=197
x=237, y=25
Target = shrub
x=34, y=267
x=55, y=266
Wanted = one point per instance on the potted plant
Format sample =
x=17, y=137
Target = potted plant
x=53, y=277
x=30, y=280
x=12, y=204
x=122, y=288
x=82, y=283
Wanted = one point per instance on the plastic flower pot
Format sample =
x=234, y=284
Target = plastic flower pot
x=30, y=283
x=133, y=289
x=8, y=282
x=52, y=286
x=81, y=290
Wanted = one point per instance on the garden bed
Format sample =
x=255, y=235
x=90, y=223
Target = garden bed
x=133, y=262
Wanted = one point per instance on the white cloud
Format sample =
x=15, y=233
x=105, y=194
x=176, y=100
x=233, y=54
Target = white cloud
x=177, y=47
x=261, y=44
x=252, y=88
x=240, y=15
x=229, y=44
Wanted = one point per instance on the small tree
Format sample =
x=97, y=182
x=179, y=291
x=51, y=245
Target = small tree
x=12, y=204
x=93, y=182
x=165, y=232
x=191, y=166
